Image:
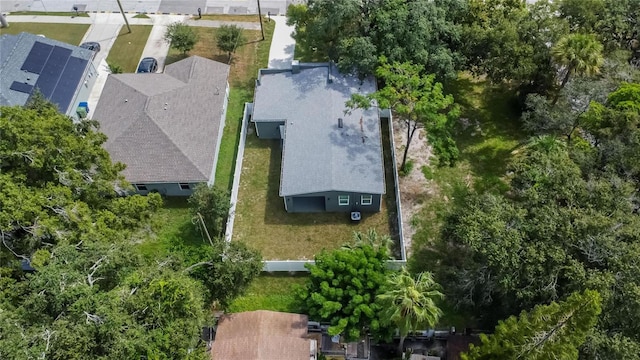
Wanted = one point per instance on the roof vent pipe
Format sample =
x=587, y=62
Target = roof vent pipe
x=340, y=124
x=295, y=66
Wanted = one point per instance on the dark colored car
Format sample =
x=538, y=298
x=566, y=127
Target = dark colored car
x=93, y=46
x=148, y=65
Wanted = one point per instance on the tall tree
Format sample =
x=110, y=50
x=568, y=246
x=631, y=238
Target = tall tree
x=343, y=285
x=418, y=101
x=553, y=331
x=578, y=54
x=506, y=40
x=409, y=303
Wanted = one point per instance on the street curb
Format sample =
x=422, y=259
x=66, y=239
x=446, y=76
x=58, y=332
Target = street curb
x=137, y=13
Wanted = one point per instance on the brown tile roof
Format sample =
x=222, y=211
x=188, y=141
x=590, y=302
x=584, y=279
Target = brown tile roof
x=261, y=335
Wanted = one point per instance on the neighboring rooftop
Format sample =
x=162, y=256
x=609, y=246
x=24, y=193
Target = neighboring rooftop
x=29, y=61
x=262, y=334
x=324, y=148
x=165, y=127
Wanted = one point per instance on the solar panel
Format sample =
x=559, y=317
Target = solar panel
x=48, y=79
x=37, y=57
x=68, y=83
x=22, y=87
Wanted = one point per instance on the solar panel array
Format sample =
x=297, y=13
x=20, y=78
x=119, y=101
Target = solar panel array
x=22, y=87
x=59, y=73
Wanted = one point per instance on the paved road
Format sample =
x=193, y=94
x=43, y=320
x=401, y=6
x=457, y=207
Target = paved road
x=151, y=6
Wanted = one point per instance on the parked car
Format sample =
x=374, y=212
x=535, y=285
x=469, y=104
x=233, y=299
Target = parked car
x=148, y=65
x=91, y=45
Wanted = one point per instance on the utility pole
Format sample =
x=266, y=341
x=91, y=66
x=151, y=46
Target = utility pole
x=260, y=16
x=124, y=16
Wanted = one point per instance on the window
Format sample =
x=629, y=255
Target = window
x=184, y=186
x=141, y=187
x=343, y=200
x=366, y=199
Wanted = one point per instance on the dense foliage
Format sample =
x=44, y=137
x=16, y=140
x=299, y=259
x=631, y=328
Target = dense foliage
x=343, y=285
x=557, y=328
x=355, y=33
x=90, y=293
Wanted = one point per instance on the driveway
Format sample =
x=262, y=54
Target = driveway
x=282, y=44
x=156, y=46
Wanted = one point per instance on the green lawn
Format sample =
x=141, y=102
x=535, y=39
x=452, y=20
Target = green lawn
x=238, y=18
x=69, y=33
x=173, y=232
x=262, y=222
x=128, y=47
x=269, y=292
x=486, y=145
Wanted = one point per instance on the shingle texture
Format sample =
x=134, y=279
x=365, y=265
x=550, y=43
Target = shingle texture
x=165, y=127
x=62, y=79
x=261, y=335
x=318, y=155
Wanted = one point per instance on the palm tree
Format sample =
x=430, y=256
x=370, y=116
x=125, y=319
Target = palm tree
x=409, y=302
x=580, y=54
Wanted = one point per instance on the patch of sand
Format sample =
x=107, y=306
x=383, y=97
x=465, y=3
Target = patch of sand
x=414, y=187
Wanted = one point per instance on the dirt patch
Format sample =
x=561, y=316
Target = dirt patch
x=414, y=187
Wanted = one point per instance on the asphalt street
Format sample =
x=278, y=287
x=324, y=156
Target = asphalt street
x=151, y=6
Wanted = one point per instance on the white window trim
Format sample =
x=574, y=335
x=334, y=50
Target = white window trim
x=341, y=197
x=369, y=199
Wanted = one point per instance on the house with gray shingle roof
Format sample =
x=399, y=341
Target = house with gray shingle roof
x=166, y=127
x=331, y=160
x=63, y=73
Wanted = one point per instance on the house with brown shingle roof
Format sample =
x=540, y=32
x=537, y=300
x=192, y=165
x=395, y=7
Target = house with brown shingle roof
x=263, y=335
x=166, y=127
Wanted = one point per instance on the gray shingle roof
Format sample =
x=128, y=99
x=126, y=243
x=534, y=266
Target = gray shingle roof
x=319, y=156
x=165, y=127
x=14, y=50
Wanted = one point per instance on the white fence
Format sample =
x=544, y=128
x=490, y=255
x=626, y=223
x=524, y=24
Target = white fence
x=299, y=265
x=387, y=113
x=248, y=110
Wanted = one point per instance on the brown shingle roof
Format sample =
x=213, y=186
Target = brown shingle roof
x=261, y=335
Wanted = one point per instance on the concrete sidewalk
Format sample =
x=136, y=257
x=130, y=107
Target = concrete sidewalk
x=116, y=18
x=283, y=45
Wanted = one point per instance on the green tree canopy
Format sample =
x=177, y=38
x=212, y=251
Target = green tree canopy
x=181, y=36
x=409, y=303
x=343, y=285
x=553, y=331
x=420, y=102
x=228, y=38
x=212, y=204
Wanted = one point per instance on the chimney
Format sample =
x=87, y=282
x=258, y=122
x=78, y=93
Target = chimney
x=295, y=66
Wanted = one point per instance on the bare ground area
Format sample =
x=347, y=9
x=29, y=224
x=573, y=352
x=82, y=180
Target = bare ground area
x=414, y=187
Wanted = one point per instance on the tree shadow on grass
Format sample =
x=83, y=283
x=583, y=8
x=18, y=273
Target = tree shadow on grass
x=492, y=130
